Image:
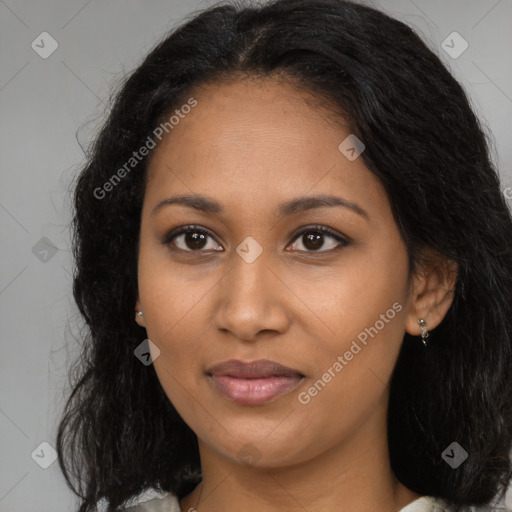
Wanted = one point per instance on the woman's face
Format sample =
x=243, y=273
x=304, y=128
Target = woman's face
x=259, y=163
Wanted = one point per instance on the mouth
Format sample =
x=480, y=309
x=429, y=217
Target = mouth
x=255, y=382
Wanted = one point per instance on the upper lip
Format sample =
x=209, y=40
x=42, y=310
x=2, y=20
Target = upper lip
x=262, y=368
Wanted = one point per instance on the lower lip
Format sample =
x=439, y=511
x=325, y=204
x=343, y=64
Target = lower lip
x=254, y=391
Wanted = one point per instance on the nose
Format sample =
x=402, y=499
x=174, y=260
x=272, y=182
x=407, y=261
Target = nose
x=251, y=300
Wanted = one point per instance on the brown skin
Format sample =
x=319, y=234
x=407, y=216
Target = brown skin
x=252, y=145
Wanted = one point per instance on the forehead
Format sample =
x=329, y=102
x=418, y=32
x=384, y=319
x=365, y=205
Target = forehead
x=252, y=136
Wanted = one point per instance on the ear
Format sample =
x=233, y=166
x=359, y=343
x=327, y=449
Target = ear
x=432, y=291
x=139, y=318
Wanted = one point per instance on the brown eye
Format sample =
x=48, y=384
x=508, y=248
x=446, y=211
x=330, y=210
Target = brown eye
x=313, y=239
x=195, y=240
x=190, y=239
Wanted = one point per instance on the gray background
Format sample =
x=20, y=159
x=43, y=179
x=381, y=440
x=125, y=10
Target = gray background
x=45, y=101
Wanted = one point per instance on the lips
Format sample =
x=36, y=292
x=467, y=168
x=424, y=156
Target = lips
x=254, y=382
x=260, y=369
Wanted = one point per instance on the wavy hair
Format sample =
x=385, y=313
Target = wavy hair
x=119, y=434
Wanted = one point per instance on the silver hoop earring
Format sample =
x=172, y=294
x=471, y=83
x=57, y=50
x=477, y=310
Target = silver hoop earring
x=138, y=313
x=424, y=332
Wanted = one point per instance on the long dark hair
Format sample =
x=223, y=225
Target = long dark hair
x=119, y=433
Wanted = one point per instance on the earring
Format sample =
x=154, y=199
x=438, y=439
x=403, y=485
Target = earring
x=424, y=332
x=138, y=313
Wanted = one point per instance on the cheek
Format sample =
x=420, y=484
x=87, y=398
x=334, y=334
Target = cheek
x=179, y=366
x=172, y=325
x=171, y=299
x=365, y=315
x=369, y=289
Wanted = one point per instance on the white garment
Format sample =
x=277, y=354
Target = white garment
x=170, y=503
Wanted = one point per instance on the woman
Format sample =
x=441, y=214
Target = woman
x=296, y=276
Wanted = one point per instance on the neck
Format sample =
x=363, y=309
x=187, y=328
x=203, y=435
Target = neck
x=355, y=474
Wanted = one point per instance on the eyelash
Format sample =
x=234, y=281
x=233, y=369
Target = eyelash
x=344, y=241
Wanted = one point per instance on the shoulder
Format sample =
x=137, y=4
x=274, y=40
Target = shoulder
x=432, y=504
x=427, y=504
x=170, y=503
x=167, y=503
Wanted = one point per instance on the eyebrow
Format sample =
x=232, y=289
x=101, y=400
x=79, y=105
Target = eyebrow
x=294, y=206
